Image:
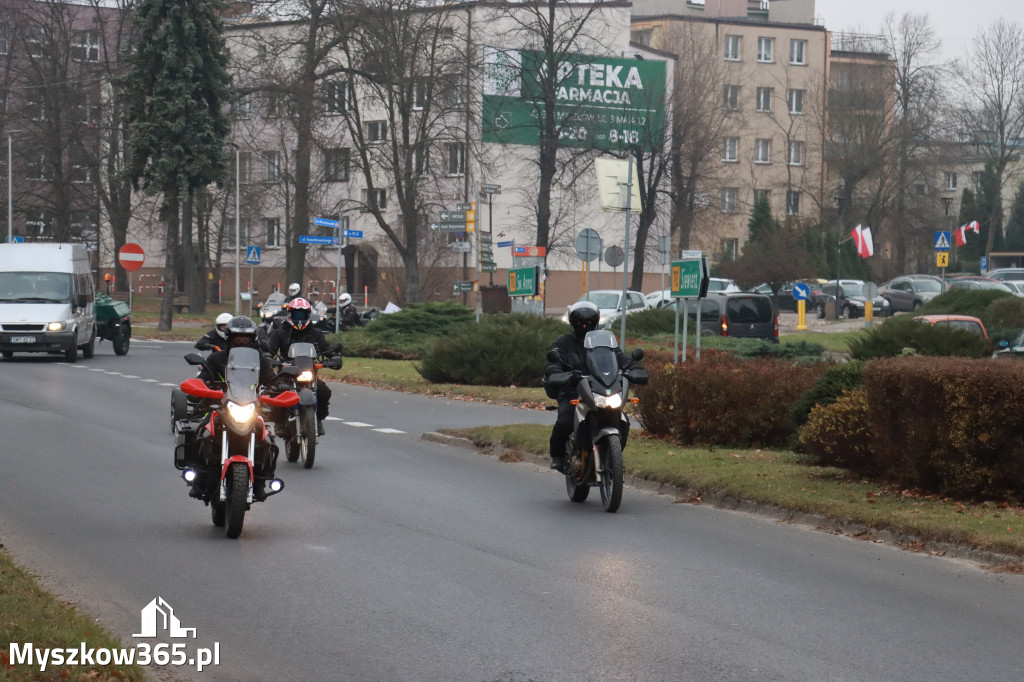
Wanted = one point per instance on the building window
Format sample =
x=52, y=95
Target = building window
x=729, y=199
x=35, y=107
x=731, y=97
x=339, y=97
x=732, y=48
x=379, y=197
x=274, y=109
x=796, y=101
x=38, y=222
x=336, y=165
x=85, y=46
x=85, y=111
x=243, y=232
x=764, y=99
x=273, y=160
x=766, y=50
x=34, y=40
x=950, y=181
x=455, y=157
x=730, y=249
x=241, y=106
x=376, y=131
x=730, y=147
x=3, y=38
x=244, y=167
x=798, y=52
x=81, y=168
x=763, y=194
x=421, y=160
x=796, y=153
x=418, y=95
x=920, y=189
x=273, y=231
x=37, y=168
x=762, y=151
x=84, y=225
x=792, y=202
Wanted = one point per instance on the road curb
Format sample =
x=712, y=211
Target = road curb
x=813, y=521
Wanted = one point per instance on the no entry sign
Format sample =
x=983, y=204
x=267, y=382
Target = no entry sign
x=131, y=257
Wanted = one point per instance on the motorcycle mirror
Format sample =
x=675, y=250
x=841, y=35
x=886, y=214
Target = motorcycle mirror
x=554, y=355
x=194, y=359
x=638, y=354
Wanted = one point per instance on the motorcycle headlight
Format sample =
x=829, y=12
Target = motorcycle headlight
x=612, y=401
x=57, y=326
x=241, y=413
x=305, y=376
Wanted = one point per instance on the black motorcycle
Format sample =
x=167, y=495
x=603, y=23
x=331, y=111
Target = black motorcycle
x=297, y=425
x=600, y=427
x=225, y=451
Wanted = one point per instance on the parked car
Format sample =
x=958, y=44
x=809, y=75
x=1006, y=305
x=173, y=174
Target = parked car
x=853, y=301
x=721, y=284
x=1013, y=349
x=609, y=303
x=659, y=299
x=742, y=314
x=965, y=322
x=909, y=293
x=785, y=300
x=1007, y=274
x=973, y=282
x=1016, y=286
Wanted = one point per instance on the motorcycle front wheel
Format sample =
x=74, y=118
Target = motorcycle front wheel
x=576, y=485
x=238, y=494
x=611, y=477
x=308, y=436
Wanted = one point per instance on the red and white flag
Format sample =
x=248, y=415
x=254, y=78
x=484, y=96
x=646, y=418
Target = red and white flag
x=862, y=240
x=973, y=226
x=961, y=235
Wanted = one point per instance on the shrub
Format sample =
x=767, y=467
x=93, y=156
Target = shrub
x=648, y=323
x=904, y=332
x=407, y=334
x=500, y=350
x=1004, y=313
x=724, y=400
x=963, y=302
x=836, y=380
x=839, y=433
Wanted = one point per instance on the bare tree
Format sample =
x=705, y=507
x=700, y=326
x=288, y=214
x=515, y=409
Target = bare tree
x=991, y=108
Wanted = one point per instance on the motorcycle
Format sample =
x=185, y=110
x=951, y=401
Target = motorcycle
x=600, y=427
x=225, y=452
x=298, y=426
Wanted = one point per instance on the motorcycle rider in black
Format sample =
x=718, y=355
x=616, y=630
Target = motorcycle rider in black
x=216, y=338
x=241, y=333
x=299, y=330
x=349, y=315
x=583, y=317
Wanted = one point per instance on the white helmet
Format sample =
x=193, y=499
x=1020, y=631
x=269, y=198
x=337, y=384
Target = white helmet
x=222, y=324
x=294, y=288
x=344, y=299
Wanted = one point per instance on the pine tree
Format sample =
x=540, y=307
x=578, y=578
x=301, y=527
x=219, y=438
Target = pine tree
x=177, y=84
x=1015, y=225
x=762, y=224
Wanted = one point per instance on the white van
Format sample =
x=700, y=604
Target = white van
x=46, y=300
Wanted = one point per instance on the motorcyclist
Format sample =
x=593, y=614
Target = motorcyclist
x=349, y=316
x=299, y=330
x=294, y=292
x=241, y=333
x=583, y=317
x=216, y=338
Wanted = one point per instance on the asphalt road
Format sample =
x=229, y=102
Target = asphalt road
x=398, y=559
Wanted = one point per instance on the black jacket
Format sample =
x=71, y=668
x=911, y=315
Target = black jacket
x=281, y=339
x=574, y=358
x=350, y=317
x=212, y=341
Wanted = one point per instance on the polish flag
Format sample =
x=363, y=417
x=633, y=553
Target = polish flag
x=961, y=235
x=862, y=240
x=973, y=226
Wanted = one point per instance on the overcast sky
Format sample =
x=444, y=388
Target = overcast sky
x=955, y=22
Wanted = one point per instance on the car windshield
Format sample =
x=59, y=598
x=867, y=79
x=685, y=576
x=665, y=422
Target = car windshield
x=603, y=299
x=853, y=290
x=35, y=287
x=928, y=285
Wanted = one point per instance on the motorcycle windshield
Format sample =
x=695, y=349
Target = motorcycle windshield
x=302, y=350
x=242, y=375
x=601, y=356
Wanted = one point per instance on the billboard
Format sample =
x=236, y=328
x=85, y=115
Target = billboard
x=602, y=103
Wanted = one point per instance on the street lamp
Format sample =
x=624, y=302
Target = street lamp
x=946, y=203
x=840, y=199
x=238, y=230
x=10, y=184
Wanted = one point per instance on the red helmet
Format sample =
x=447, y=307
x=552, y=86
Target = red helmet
x=299, y=313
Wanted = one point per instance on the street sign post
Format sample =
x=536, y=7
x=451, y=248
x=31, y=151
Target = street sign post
x=530, y=251
x=523, y=281
x=252, y=255
x=131, y=257
x=352, y=234
x=462, y=287
x=313, y=239
x=487, y=189
x=326, y=222
x=689, y=280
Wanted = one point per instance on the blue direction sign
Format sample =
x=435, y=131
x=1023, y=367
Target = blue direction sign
x=352, y=234
x=16, y=240
x=325, y=222
x=942, y=241
x=310, y=239
x=506, y=243
x=801, y=291
x=252, y=255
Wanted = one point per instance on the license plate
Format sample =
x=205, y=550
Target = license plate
x=23, y=339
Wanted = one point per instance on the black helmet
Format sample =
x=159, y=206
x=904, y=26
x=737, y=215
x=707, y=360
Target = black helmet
x=583, y=318
x=241, y=332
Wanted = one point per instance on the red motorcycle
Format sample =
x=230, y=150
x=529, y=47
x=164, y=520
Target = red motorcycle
x=225, y=452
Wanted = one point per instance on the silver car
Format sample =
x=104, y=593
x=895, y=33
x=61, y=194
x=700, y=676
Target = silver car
x=910, y=293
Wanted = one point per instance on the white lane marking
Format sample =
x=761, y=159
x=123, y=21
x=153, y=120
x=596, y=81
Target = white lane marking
x=359, y=424
x=170, y=385
x=149, y=381
x=96, y=369
x=115, y=373
x=333, y=419
x=130, y=376
x=388, y=431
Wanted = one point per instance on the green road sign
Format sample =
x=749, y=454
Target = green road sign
x=523, y=281
x=687, y=278
x=487, y=266
x=600, y=102
x=448, y=227
x=459, y=287
x=452, y=216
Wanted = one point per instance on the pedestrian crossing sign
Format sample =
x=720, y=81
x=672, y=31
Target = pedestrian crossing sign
x=252, y=255
x=942, y=241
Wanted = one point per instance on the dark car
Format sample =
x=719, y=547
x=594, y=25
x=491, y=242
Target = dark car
x=785, y=300
x=853, y=302
x=909, y=293
x=745, y=315
x=971, y=282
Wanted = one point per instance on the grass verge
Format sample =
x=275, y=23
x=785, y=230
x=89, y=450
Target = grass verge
x=792, y=482
x=29, y=614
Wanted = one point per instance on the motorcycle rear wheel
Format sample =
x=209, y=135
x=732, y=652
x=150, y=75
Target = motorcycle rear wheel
x=238, y=493
x=611, y=478
x=308, y=436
